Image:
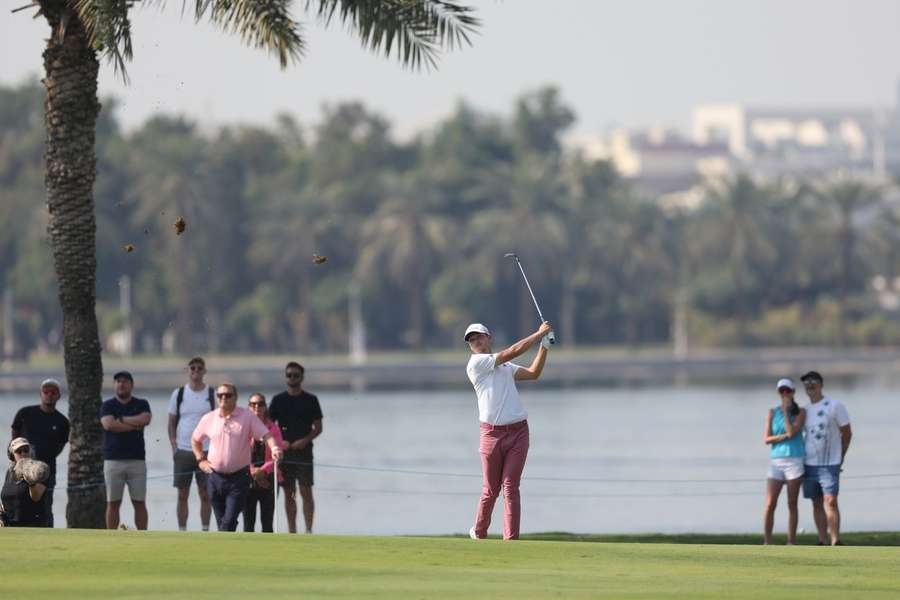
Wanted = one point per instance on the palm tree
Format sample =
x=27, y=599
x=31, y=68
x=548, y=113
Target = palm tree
x=405, y=239
x=81, y=30
x=848, y=196
x=741, y=203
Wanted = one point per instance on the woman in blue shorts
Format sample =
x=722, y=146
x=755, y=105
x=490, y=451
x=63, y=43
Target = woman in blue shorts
x=785, y=436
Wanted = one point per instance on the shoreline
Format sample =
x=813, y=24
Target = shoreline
x=446, y=369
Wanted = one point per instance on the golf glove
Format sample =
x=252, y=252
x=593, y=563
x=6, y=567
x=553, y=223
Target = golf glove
x=545, y=342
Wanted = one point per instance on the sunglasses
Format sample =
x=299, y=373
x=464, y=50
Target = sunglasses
x=22, y=450
x=256, y=404
x=293, y=375
x=225, y=396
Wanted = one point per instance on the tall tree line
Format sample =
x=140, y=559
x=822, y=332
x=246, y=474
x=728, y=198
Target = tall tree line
x=421, y=226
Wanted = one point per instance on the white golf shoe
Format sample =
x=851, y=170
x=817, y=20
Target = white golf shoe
x=472, y=533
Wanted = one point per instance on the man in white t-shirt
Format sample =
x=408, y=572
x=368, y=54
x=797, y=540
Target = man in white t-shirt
x=504, y=428
x=186, y=406
x=827, y=436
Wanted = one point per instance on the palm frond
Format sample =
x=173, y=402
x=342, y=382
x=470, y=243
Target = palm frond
x=108, y=27
x=415, y=29
x=265, y=24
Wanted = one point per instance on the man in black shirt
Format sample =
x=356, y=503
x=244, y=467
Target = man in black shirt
x=47, y=430
x=299, y=416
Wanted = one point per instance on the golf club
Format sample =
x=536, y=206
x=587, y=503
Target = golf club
x=550, y=336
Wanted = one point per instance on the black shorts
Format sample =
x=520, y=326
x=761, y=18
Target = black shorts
x=185, y=468
x=297, y=465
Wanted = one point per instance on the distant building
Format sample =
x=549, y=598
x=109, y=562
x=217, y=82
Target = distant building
x=771, y=141
x=660, y=161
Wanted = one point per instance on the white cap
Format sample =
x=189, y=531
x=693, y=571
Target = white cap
x=476, y=328
x=785, y=382
x=52, y=382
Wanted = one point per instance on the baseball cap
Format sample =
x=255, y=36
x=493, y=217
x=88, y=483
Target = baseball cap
x=123, y=375
x=785, y=382
x=51, y=381
x=812, y=376
x=476, y=328
x=17, y=443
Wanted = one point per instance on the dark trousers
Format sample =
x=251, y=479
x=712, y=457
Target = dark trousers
x=266, y=500
x=228, y=495
x=48, y=499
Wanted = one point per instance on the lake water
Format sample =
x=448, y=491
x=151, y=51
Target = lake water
x=601, y=460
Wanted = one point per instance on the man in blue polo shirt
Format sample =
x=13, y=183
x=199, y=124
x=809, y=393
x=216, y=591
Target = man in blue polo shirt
x=123, y=419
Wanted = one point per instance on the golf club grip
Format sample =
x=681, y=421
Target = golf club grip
x=552, y=337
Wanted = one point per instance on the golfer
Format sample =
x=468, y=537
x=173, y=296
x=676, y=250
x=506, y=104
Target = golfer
x=504, y=429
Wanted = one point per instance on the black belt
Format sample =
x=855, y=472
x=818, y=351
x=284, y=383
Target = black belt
x=241, y=471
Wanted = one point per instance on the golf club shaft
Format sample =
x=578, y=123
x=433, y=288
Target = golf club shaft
x=550, y=336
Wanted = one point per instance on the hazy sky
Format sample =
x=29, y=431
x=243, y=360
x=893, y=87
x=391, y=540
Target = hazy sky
x=631, y=62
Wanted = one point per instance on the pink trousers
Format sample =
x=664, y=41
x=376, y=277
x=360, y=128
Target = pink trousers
x=503, y=451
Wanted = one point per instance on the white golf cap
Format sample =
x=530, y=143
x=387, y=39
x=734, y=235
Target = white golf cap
x=52, y=382
x=785, y=382
x=476, y=328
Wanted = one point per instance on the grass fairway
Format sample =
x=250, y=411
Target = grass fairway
x=126, y=564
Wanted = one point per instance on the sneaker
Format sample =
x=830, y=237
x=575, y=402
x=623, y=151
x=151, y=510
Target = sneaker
x=472, y=533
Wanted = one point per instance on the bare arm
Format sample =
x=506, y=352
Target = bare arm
x=523, y=345
x=277, y=453
x=536, y=368
x=315, y=432
x=768, y=438
x=846, y=435
x=36, y=491
x=202, y=461
x=793, y=428
x=173, y=430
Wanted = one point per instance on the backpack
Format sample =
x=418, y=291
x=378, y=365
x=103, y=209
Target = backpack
x=180, y=399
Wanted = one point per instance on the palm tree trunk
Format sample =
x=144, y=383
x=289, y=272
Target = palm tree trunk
x=568, y=307
x=71, y=68
x=846, y=236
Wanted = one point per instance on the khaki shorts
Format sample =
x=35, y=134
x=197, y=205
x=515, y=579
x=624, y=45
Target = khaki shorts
x=118, y=473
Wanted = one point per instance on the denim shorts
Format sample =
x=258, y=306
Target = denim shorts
x=821, y=480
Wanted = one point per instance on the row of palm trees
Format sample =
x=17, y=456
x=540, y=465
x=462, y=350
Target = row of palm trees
x=421, y=228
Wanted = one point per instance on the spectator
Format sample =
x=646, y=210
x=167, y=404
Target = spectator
x=262, y=477
x=186, y=406
x=22, y=497
x=299, y=416
x=784, y=432
x=827, y=439
x=230, y=430
x=124, y=418
x=47, y=430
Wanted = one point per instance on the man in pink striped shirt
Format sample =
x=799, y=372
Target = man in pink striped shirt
x=230, y=430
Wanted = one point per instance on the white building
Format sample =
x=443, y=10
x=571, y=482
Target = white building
x=660, y=161
x=776, y=141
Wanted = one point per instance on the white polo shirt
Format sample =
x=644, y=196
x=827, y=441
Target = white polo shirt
x=498, y=398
